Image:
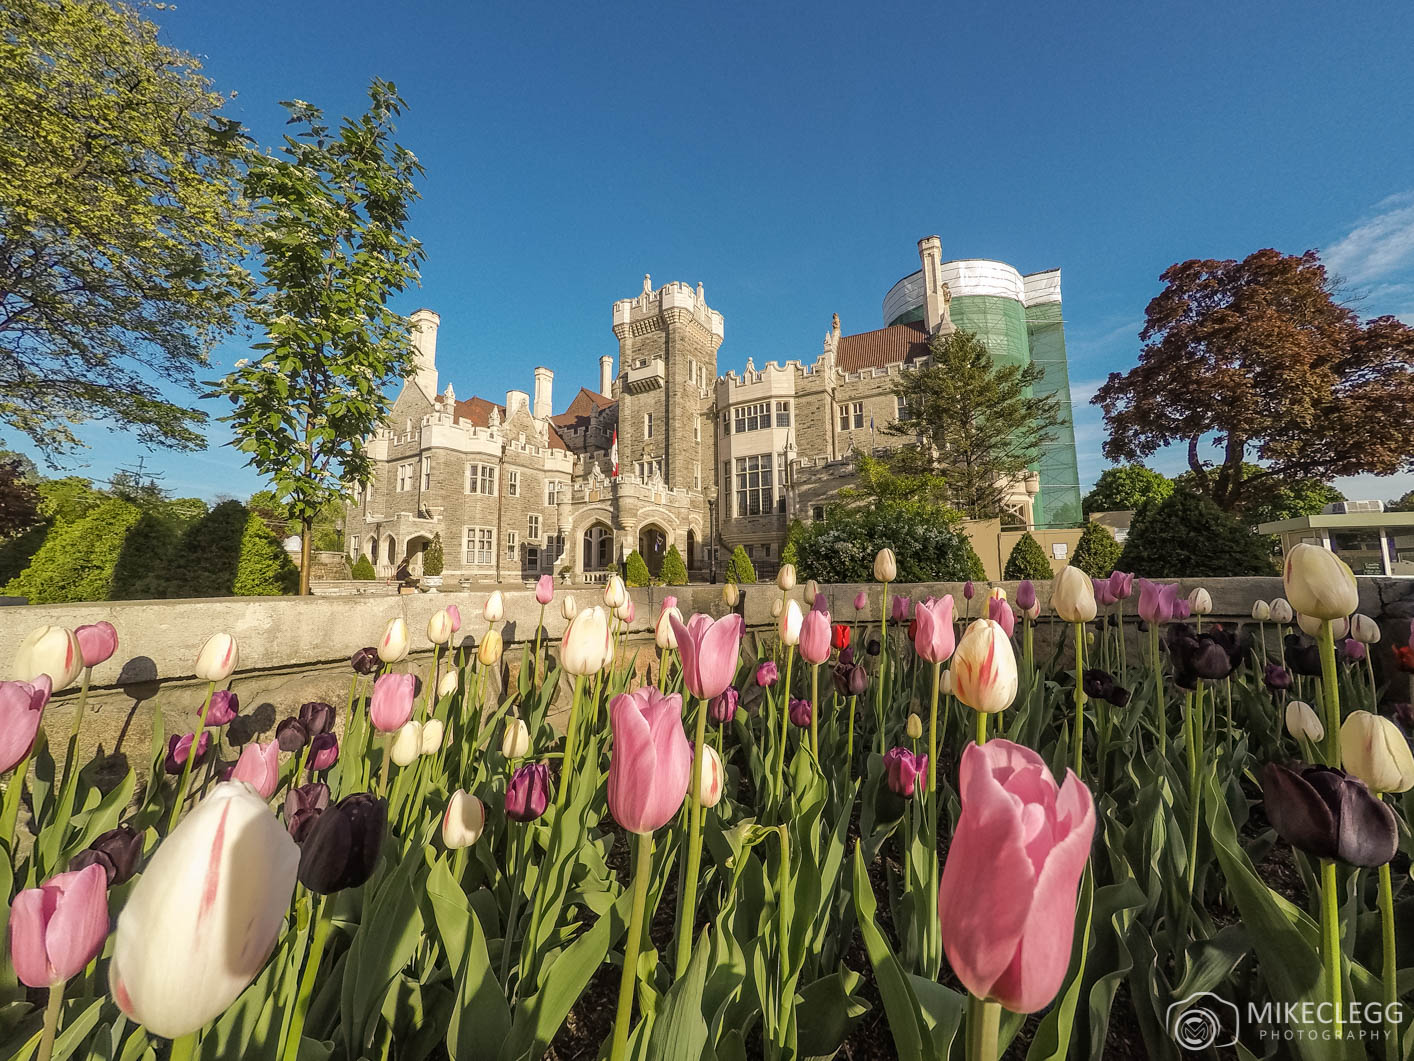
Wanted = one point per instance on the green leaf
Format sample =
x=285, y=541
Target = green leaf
x=480, y=1017
x=679, y=1033
x=383, y=943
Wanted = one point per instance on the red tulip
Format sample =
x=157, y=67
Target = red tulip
x=97, y=642
x=391, y=704
x=21, y=708
x=59, y=927
x=709, y=651
x=652, y=759
x=839, y=637
x=1007, y=898
x=934, y=638
x=815, y=636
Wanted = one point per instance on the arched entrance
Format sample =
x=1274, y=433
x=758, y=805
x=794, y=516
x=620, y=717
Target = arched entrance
x=691, y=551
x=598, y=547
x=414, y=551
x=652, y=546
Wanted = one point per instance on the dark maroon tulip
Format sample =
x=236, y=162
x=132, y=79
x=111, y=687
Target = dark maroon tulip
x=800, y=713
x=1329, y=814
x=1403, y=715
x=323, y=752
x=904, y=769
x=1303, y=655
x=118, y=851
x=317, y=716
x=528, y=794
x=179, y=746
x=1276, y=677
x=847, y=654
x=1026, y=595
x=1100, y=685
x=303, y=806
x=873, y=647
x=722, y=707
x=365, y=661
x=291, y=734
x=341, y=848
x=225, y=705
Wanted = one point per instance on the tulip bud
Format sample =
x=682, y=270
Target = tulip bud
x=1319, y=583
x=179, y=747
x=544, y=590
x=615, y=592
x=777, y=606
x=710, y=777
x=224, y=707
x=904, y=771
x=624, y=611
x=1026, y=597
x=1374, y=749
x=391, y=704
x=663, y=635
x=984, y=668
x=785, y=578
x=323, y=752
x=790, y=623
x=1354, y=650
x=1072, y=595
x=291, y=735
x=463, y=822
x=259, y=767
x=1310, y=625
x=59, y=927
x=393, y=648
x=587, y=645
x=52, y=651
x=117, y=851
x=454, y=614
x=568, y=607
x=1200, y=601
x=1364, y=629
x=341, y=850
x=21, y=710
x=97, y=642
x=885, y=566
x=1276, y=677
x=1261, y=611
x=801, y=712
x=515, y=742
x=365, y=661
x=407, y=743
x=861, y=601
x=814, y=637
x=945, y=683
x=1302, y=722
x=495, y=607
x=447, y=684
x=303, y=806
x=1281, y=610
x=811, y=593
x=1121, y=585
x=439, y=627
x=968, y=590
x=488, y=653
x=528, y=793
x=730, y=594
x=721, y=709
x=915, y=726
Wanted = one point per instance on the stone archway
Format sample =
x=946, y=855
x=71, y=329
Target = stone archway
x=413, y=553
x=692, y=550
x=653, y=546
x=597, y=548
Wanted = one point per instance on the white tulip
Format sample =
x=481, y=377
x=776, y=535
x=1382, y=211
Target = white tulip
x=1281, y=610
x=495, y=607
x=1301, y=722
x=515, y=742
x=432, y=733
x=1261, y=611
x=51, y=650
x=1364, y=629
x=407, y=743
x=785, y=578
x=439, y=627
x=447, y=684
x=393, y=648
x=1319, y=583
x=1200, y=601
x=1373, y=748
x=789, y=626
x=463, y=822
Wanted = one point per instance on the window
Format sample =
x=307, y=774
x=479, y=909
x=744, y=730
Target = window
x=726, y=487
x=697, y=476
x=858, y=414
x=726, y=423
x=752, y=417
x=405, y=476
x=783, y=414
x=817, y=512
x=427, y=473
x=844, y=417
x=755, y=493
x=552, y=492
x=481, y=479
x=353, y=545
x=647, y=469
x=647, y=425
x=781, y=482
x=512, y=483
x=697, y=430
x=478, y=546
x=901, y=407
x=532, y=527
x=512, y=545
x=532, y=558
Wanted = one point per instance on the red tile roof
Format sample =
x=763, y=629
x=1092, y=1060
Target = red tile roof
x=478, y=412
x=586, y=403
x=878, y=349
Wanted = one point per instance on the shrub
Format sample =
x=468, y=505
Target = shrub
x=230, y=551
x=790, y=552
x=146, y=558
x=1187, y=536
x=674, y=572
x=740, y=568
x=635, y=570
x=264, y=569
x=1097, y=552
x=433, y=559
x=78, y=559
x=1027, y=560
x=926, y=543
x=976, y=570
x=363, y=570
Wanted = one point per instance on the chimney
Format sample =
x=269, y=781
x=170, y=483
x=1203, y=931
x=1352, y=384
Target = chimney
x=423, y=323
x=930, y=254
x=515, y=401
x=606, y=375
x=544, y=380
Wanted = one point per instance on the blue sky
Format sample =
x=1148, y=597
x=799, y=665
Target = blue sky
x=790, y=156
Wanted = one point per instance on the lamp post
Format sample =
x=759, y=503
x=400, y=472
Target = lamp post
x=712, y=534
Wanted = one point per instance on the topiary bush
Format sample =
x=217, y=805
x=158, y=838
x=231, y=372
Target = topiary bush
x=927, y=545
x=433, y=558
x=230, y=551
x=674, y=571
x=635, y=570
x=1097, y=552
x=363, y=570
x=78, y=559
x=739, y=567
x=264, y=569
x=976, y=570
x=790, y=552
x=1027, y=560
x=1188, y=536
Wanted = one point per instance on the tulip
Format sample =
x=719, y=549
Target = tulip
x=205, y=915
x=528, y=793
x=777, y=606
x=1302, y=655
x=1026, y=596
x=439, y=627
x=97, y=642
x=455, y=615
x=1364, y=629
x=1100, y=685
x=711, y=779
x=839, y=636
x=464, y=820
x=885, y=566
x=999, y=611
x=1200, y=601
x=1309, y=624
x=568, y=608
x=914, y=726
x=1121, y=584
x=59, y=927
x=861, y=601
x=811, y=594
x=292, y=735
x=1354, y=650
x=21, y=708
x=341, y=850
x=259, y=767
x=515, y=741
x=495, y=607
x=1276, y=677
x=391, y=704
x=224, y=707
x=393, y=648
x=1329, y=814
x=767, y=674
x=934, y=639
x=968, y=590
x=1261, y=611
x=1157, y=603
x=624, y=611
x=1374, y=750
x=785, y=578
x=1303, y=722
x=544, y=590
x=1319, y=583
x=851, y=679
x=1281, y=610
x=801, y=713
x=1101, y=588
x=588, y=643
x=52, y=651
x=1403, y=715
x=433, y=731
x=815, y=637
x=117, y=852
x=317, y=716
x=407, y=743
x=898, y=609
x=1008, y=890
x=323, y=752
x=721, y=709
x=447, y=684
x=663, y=635
x=945, y=685
x=303, y=806
x=615, y=592
x=1072, y=596
x=790, y=623
x=984, y=668
x=730, y=594
x=710, y=650
x=904, y=770
x=488, y=653
x=365, y=661
x=651, y=765
x=179, y=747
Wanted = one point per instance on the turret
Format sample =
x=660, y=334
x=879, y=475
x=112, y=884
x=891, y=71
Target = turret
x=606, y=375
x=544, y=380
x=423, y=325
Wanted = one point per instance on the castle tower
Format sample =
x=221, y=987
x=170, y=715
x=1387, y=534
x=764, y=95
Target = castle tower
x=424, y=344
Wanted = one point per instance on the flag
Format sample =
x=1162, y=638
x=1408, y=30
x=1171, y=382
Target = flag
x=614, y=452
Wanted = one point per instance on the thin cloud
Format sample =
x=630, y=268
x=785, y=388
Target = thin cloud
x=1379, y=246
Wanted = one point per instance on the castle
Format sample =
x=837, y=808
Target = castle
x=671, y=452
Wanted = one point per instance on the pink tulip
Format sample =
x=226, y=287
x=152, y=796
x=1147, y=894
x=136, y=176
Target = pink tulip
x=651, y=765
x=709, y=651
x=391, y=704
x=861, y=601
x=898, y=609
x=934, y=638
x=259, y=767
x=1103, y=597
x=97, y=642
x=455, y=615
x=21, y=708
x=544, y=589
x=1121, y=585
x=815, y=635
x=1157, y=603
x=59, y=927
x=225, y=705
x=178, y=748
x=668, y=602
x=999, y=611
x=1007, y=897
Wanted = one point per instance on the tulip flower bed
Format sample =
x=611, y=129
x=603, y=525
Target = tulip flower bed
x=901, y=837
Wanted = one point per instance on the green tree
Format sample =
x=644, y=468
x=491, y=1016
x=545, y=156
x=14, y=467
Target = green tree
x=1027, y=560
x=674, y=570
x=1265, y=500
x=635, y=570
x=121, y=223
x=842, y=548
x=790, y=551
x=61, y=502
x=975, y=425
x=1097, y=552
x=1403, y=503
x=739, y=568
x=263, y=569
x=333, y=252
x=434, y=559
x=77, y=561
x=976, y=570
x=19, y=500
x=1125, y=488
x=1188, y=536
x=363, y=570
x=230, y=551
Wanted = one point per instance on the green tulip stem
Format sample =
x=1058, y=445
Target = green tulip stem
x=322, y=923
x=1079, y=735
x=387, y=763
x=1330, y=691
x=849, y=744
x=1262, y=633
x=13, y=793
x=785, y=727
x=70, y=761
x=695, y=814
x=1330, y=932
x=539, y=629
x=518, y=877
x=1160, y=707
x=1390, y=968
x=1192, y=710
x=51, y=1021
x=883, y=666
x=933, y=733
x=663, y=669
x=192, y=752
x=786, y=1000
x=641, y=873
x=1028, y=651
x=815, y=712
x=1370, y=671
x=981, y=727
x=567, y=767
x=983, y=1029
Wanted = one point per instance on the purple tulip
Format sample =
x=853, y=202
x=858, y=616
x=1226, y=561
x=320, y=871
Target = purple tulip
x=722, y=707
x=898, y=609
x=1157, y=603
x=323, y=752
x=302, y=806
x=341, y=848
x=225, y=705
x=861, y=601
x=767, y=674
x=1276, y=677
x=709, y=650
x=317, y=716
x=1103, y=597
x=1354, y=650
x=291, y=734
x=904, y=770
x=179, y=747
x=1121, y=585
x=97, y=642
x=968, y=590
x=365, y=661
x=1329, y=814
x=801, y=713
x=118, y=851
x=528, y=794
x=1026, y=595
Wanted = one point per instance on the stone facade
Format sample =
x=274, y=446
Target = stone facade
x=670, y=452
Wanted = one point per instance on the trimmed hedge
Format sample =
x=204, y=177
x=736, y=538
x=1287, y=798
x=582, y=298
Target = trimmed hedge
x=674, y=571
x=363, y=570
x=739, y=567
x=1027, y=560
x=77, y=560
x=635, y=570
x=1187, y=536
x=433, y=559
x=1097, y=552
x=927, y=546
